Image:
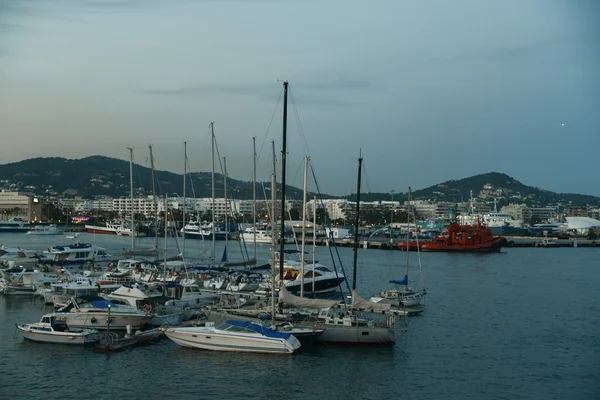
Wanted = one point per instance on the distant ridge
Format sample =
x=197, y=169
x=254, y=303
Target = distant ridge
x=106, y=176
x=506, y=189
x=99, y=175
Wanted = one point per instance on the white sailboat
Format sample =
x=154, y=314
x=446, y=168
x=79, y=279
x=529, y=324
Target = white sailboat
x=403, y=295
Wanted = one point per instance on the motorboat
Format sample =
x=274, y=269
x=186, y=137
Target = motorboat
x=15, y=224
x=76, y=253
x=110, y=228
x=318, y=276
x=90, y=311
x=233, y=335
x=19, y=281
x=403, y=296
x=62, y=293
x=261, y=236
x=306, y=335
x=51, y=229
x=193, y=230
x=53, y=329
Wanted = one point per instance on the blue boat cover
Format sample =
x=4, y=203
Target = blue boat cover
x=102, y=304
x=259, y=329
x=404, y=281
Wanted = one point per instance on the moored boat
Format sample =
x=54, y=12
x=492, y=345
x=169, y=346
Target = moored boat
x=53, y=329
x=91, y=311
x=51, y=229
x=465, y=238
x=235, y=335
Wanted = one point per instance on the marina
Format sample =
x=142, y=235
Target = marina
x=470, y=330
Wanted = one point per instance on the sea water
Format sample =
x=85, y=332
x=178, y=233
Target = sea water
x=521, y=324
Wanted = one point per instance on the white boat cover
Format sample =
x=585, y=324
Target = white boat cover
x=287, y=298
x=362, y=304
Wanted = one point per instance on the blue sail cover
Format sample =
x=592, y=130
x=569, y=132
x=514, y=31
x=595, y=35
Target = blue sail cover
x=224, y=258
x=259, y=329
x=404, y=281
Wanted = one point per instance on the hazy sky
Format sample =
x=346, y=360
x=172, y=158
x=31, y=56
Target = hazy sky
x=430, y=90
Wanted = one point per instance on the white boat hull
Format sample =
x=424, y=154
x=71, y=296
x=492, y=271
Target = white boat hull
x=208, y=339
x=99, y=320
x=84, y=337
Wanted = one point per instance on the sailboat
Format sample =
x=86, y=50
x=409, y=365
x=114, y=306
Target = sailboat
x=352, y=324
x=403, y=296
x=143, y=252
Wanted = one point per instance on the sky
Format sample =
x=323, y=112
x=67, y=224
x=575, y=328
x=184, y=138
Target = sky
x=428, y=90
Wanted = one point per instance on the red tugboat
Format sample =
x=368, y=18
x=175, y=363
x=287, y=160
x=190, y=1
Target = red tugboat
x=465, y=238
x=412, y=245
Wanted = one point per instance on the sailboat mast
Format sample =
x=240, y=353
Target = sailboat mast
x=183, y=208
x=304, y=229
x=131, y=197
x=314, y=245
x=226, y=202
x=273, y=244
x=165, y=250
x=154, y=199
x=254, y=192
x=408, y=227
x=212, y=156
x=356, y=222
x=283, y=160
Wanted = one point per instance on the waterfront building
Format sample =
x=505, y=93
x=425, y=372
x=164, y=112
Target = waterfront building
x=22, y=205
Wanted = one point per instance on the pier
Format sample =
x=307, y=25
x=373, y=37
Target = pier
x=513, y=241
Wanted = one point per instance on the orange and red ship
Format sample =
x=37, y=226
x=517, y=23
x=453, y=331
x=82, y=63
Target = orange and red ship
x=465, y=238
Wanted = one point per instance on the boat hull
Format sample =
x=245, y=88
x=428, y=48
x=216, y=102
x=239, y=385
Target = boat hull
x=488, y=247
x=79, y=338
x=209, y=339
x=206, y=235
x=305, y=335
x=100, y=230
x=99, y=320
x=353, y=335
x=321, y=286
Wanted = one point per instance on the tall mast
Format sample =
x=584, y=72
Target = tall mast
x=254, y=192
x=273, y=244
x=356, y=224
x=283, y=157
x=131, y=197
x=314, y=245
x=304, y=229
x=408, y=234
x=154, y=199
x=183, y=213
x=226, y=202
x=165, y=250
x=212, y=156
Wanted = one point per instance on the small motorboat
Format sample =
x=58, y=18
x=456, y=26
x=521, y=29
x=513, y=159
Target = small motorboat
x=52, y=328
x=235, y=335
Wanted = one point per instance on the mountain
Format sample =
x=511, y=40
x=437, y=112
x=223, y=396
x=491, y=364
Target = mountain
x=489, y=187
x=98, y=175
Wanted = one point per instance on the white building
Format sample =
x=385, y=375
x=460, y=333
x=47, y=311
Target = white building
x=17, y=204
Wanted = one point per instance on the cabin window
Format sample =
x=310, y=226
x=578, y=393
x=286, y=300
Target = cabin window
x=365, y=333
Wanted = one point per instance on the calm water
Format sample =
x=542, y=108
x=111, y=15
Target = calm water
x=524, y=323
